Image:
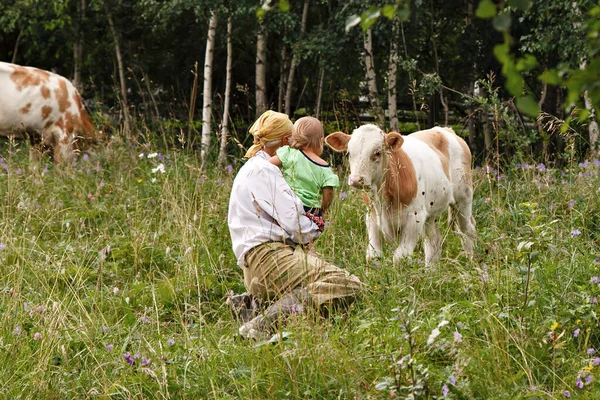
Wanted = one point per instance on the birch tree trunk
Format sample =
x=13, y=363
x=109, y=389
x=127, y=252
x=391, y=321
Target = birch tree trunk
x=225, y=123
x=16, y=48
x=282, y=76
x=372, y=81
x=290, y=80
x=78, y=46
x=412, y=82
x=121, y=70
x=392, y=70
x=261, y=71
x=207, y=92
x=593, y=125
x=320, y=91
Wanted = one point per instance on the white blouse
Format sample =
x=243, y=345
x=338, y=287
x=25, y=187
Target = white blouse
x=263, y=208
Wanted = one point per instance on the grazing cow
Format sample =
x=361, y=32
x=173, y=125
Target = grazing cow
x=44, y=106
x=413, y=180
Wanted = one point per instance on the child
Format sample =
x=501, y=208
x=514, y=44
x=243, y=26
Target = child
x=305, y=171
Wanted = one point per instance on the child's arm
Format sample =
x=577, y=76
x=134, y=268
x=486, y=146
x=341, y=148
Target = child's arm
x=276, y=161
x=327, y=198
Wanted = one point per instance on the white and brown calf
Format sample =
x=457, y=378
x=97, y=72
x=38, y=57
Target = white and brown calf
x=413, y=180
x=44, y=106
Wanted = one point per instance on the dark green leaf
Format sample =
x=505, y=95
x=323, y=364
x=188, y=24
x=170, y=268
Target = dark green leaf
x=486, y=9
x=519, y=4
x=528, y=105
x=550, y=77
x=527, y=63
x=388, y=11
x=502, y=22
x=404, y=12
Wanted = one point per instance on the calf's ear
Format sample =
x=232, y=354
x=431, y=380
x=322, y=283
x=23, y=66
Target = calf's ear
x=338, y=141
x=393, y=140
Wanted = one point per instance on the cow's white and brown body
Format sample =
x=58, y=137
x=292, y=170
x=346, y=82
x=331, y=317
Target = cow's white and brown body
x=413, y=179
x=42, y=105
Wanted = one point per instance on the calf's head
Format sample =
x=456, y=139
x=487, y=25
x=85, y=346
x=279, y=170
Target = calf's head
x=368, y=149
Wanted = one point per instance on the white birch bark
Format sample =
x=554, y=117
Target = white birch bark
x=207, y=92
x=319, y=91
x=225, y=123
x=261, y=71
x=372, y=81
x=392, y=70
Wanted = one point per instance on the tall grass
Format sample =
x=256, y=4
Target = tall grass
x=114, y=274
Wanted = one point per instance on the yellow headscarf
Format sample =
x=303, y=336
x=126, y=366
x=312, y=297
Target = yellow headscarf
x=271, y=125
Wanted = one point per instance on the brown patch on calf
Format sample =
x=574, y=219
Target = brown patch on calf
x=25, y=77
x=62, y=96
x=25, y=110
x=439, y=143
x=48, y=124
x=46, y=110
x=400, y=187
x=45, y=92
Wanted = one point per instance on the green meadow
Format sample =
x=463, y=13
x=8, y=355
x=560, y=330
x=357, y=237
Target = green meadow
x=114, y=272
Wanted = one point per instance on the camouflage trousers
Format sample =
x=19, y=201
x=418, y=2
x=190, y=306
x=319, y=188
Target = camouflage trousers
x=274, y=268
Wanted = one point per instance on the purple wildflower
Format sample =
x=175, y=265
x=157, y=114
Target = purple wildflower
x=229, y=168
x=596, y=361
x=170, y=341
x=595, y=279
x=17, y=330
x=2, y=246
x=219, y=182
x=457, y=337
x=19, y=171
x=37, y=336
x=146, y=361
x=594, y=300
x=579, y=382
x=571, y=204
x=445, y=390
x=591, y=351
x=589, y=379
x=567, y=394
x=452, y=380
x=343, y=195
x=45, y=171
x=575, y=232
x=128, y=358
x=576, y=332
x=86, y=156
x=109, y=347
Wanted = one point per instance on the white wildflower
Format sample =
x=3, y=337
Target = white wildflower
x=152, y=155
x=160, y=167
x=434, y=334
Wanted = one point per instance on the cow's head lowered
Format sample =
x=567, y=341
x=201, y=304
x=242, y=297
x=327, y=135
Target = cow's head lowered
x=368, y=150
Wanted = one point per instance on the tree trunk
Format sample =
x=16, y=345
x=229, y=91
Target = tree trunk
x=412, y=82
x=392, y=70
x=282, y=76
x=78, y=46
x=319, y=91
x=290, y=80
x=593, y=125
x=261, y=71
x=16, y=48
x=225, y=123
x=372, y=80
x=121, y=68
x=207, y=93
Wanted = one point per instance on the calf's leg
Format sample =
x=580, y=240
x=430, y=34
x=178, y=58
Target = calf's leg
x=411, y=231
x=432, y=242
x=374, y=251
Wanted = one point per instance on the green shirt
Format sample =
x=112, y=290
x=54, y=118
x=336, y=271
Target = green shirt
x=306, y=177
